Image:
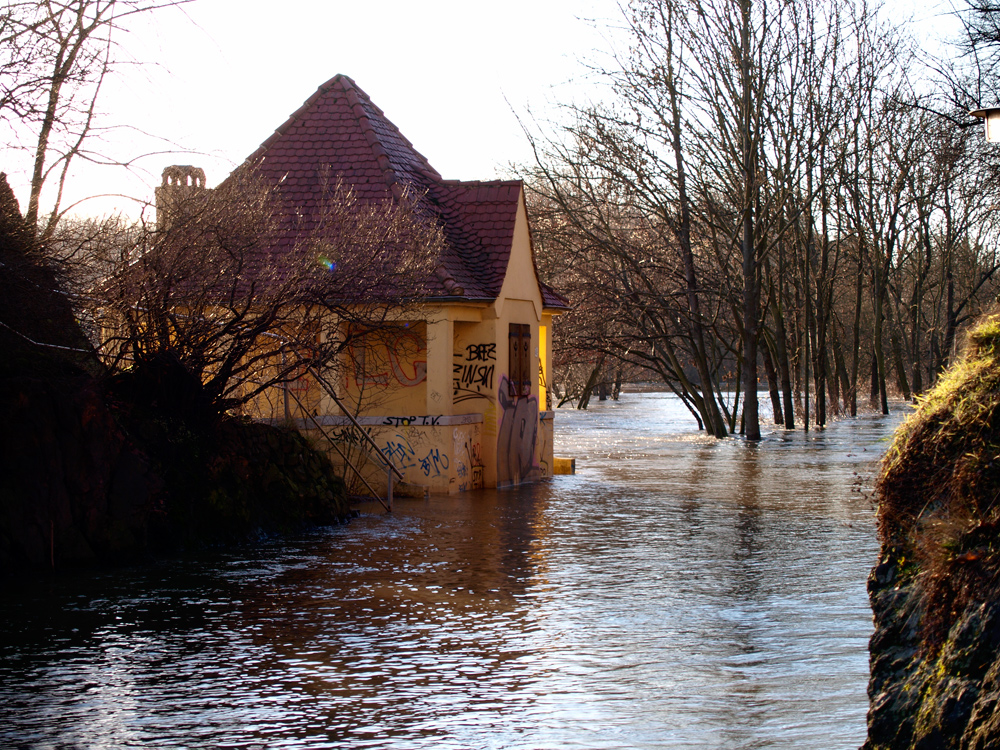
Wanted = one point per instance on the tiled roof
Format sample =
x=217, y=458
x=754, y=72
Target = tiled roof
x=338, y=133
x=478, y=220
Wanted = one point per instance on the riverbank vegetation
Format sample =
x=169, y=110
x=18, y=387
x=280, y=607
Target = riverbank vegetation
x=102, y=467
x=936, y=590
x=105, y=463
x=786, y=194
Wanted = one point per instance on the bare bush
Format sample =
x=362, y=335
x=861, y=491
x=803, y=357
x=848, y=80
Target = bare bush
x=245, y=295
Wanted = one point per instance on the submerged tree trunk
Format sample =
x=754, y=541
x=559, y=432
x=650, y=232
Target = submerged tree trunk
x=840, y=373
x=784, y=366
x=592, y=381
x=856, y=340
x=751, y=282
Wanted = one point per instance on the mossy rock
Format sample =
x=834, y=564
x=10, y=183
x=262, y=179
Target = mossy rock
x=940, y=479
x=936, y=591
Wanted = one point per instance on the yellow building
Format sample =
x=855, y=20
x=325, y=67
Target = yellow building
x=454, y=395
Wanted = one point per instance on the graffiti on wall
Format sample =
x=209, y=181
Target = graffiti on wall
x=467, y=459
x=517, y=437
x=423, y=421
x=347, y=435
x=399, y=450
x=474, y=457
x=299, y=384
x=473, y=368
x=396, y=356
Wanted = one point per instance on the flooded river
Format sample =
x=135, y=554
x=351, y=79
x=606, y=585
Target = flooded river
x=677, y=592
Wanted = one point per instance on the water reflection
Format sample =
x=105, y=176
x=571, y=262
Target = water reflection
x=677, y=592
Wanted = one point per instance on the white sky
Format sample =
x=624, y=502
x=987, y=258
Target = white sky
x=226, y=73
x=220, y=75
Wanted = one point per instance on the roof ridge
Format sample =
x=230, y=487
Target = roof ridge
x=358, y=99
x=290, y=120
x=482, y=182
x=353, y=94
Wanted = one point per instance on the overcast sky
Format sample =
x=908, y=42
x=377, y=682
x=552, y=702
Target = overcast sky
x=220, y=75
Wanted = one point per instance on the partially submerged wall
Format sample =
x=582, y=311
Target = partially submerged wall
x=442, y=454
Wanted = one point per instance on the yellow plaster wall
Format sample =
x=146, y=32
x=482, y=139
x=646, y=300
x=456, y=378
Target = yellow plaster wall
x=387, y=372
x=474, y=365
x=476, y=368
x=424, y=455
x=518, y=444
x=546, y=433
x=543, y=360
x=521, y=283
x=442, y=457
x=467, y=458
x=440, y=335
x=297, y=398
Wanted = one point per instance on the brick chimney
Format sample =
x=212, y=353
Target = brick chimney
x=180, y=184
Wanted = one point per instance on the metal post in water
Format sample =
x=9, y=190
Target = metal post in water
x=389, y=494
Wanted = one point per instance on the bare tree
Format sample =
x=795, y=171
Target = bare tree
x=55, y=56
x=243, y=298
x=711, y=158
x=781, y=177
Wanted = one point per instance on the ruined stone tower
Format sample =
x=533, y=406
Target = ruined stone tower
x=180, y=184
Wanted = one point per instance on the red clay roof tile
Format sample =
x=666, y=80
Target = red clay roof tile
x=339, y=129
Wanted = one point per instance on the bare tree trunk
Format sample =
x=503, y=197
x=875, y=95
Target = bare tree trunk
x=882, y=402
x=751, y=284
x=856, y=339
x=842, y=399
x=712, y=416
x=897, y=360
x=951, y=318
x=781, y=352
x=806, y=336
x=873, y=396
x=588, y=389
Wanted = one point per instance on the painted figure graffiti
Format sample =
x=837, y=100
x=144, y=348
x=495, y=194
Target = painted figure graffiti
x=517, y=436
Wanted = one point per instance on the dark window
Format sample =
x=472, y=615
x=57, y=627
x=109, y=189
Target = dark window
x=520, y=360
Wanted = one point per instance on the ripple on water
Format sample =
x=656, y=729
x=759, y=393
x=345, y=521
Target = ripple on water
x=677, y=592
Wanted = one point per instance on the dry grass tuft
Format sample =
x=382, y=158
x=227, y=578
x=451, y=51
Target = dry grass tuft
x=939, y=484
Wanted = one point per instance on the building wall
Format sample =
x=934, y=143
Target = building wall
x=476, y=372
x=519, y=445
x=441, y=453
x=435, y=394
x=385, y=371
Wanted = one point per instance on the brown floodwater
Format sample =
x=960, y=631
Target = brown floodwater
x=677, y=592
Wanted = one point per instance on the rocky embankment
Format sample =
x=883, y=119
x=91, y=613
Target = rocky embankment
x=935, y=593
